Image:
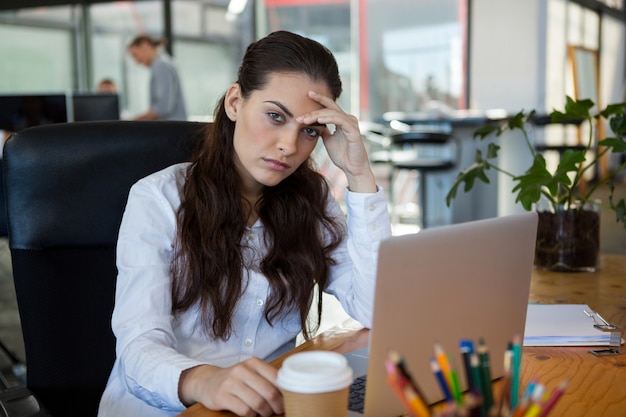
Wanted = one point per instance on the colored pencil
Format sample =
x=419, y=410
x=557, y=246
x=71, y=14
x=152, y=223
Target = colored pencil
x=467, y=348
x=456, y=387
x=530, y=406
x=396, y=385
x=400, y=364
x=515, y=370
x=416, y=404
x=485, y=371
x=444, y=364
x=553, y=399
x=443, y=384
x=504, y=396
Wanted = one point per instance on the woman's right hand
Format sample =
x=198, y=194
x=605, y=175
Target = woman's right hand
x=247, y=388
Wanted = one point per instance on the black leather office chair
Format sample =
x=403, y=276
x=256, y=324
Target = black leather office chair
x=66, y=187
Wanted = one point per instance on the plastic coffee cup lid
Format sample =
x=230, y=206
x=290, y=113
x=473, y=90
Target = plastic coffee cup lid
x=315, y=372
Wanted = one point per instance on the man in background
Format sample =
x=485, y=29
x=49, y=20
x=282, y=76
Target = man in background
x=166, y=95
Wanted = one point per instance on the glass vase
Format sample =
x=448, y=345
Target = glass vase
x=568, y=237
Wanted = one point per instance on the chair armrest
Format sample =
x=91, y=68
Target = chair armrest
x=20, y=402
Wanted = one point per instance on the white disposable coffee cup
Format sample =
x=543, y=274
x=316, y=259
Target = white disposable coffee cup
x=315, y=383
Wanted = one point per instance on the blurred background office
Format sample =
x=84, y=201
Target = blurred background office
x=419, y=57
x=428, y=58
x=395, y=55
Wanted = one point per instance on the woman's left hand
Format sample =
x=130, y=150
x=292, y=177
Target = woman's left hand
x=345, y=145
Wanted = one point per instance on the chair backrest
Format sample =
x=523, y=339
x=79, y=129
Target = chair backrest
x=66, y=187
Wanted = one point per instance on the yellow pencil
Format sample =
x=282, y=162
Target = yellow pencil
x=417, y=405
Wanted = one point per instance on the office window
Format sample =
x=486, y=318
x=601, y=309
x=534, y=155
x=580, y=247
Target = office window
x=416, y=53
x=207, y=52
x=37, y=59
x=195, y=18
x=570, y=24
x=205, y=47
x=45, y=15
x=394, y=55
x=207, y=69
x=131, y=17
x=328, y=22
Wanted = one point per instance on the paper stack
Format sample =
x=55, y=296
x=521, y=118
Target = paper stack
x=562, y=325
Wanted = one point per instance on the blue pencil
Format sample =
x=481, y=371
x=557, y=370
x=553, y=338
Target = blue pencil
x=443, y=384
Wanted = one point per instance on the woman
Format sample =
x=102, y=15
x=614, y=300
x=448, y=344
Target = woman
x=166, y=93
x=218, y=259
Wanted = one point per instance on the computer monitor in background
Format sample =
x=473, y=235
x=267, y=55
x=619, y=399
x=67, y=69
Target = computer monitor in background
x=19, y=111
x=97, y=106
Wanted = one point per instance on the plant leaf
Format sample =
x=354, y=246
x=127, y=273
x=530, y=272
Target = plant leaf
x=613, y=109
x=517, y=121
x=530, y=184
x=618, y=124
x=619, y=208
x=575, y=111
x=578, y=108
x=468, y=176
x=616, y=144
x=492, y=151
x=570, y=162
x=484, y=131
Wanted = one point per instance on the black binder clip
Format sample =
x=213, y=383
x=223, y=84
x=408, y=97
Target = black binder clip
x=615, y=338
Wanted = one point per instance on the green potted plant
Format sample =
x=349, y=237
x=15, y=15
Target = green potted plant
x=568, y=231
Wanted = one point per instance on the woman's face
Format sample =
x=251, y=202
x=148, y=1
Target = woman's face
x=269, y=143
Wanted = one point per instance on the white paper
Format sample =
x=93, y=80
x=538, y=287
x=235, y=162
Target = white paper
x=562, y=325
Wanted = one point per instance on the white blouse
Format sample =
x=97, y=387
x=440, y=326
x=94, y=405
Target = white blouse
x=153, y=348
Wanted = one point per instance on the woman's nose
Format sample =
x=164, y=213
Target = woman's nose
x=287, y=142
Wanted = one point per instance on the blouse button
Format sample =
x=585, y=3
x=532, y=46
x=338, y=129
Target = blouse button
x=259, y=302
x=248, y=342
x=372, y=207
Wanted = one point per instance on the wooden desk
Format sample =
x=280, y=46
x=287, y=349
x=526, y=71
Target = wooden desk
x=597, y=385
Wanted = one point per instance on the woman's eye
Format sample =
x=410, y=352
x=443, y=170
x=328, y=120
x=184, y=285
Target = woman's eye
x=309, y=131
x=275, y=116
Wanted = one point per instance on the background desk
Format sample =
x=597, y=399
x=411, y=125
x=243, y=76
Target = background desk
x=597, y=386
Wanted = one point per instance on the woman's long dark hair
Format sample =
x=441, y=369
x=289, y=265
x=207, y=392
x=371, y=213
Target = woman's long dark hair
x=208, y=268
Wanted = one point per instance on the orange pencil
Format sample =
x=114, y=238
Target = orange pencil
x=444, y=365
x=411, y=400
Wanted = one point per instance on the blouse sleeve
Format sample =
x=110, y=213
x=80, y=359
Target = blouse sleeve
x=353, y=278
x=142, y=320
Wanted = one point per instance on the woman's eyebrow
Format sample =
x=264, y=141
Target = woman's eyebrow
x=281, y=106
x=289, y=113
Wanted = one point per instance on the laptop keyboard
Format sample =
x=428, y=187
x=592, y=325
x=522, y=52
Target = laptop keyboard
x=356, y=398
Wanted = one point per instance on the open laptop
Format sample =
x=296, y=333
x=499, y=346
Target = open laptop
x=464, y=281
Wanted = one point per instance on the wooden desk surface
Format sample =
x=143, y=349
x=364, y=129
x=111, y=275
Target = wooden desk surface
x=597, y=385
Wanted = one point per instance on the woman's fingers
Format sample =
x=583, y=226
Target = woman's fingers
x=248, y=389
x=344, y=145
x=331, y=113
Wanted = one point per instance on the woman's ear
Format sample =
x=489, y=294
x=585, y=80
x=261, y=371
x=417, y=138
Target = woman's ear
x=232, y=100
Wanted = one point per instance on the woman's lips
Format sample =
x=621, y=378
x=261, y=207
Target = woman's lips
x=277, y=165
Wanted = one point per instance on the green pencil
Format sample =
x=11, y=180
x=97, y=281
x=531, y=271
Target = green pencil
x=485, y=371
